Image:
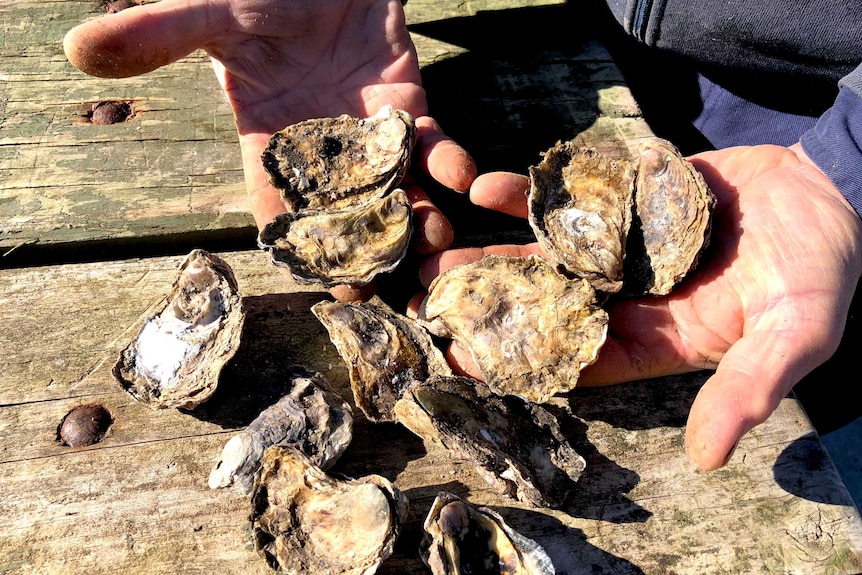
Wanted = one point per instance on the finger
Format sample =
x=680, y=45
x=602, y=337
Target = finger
x=461, y=361
x=438, y=263
x=755, y=374
x=501, y=191
x=442, y=158
x=434, y=233
x=142, y=38
x=353, y=292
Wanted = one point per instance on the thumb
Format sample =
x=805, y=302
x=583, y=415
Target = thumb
x=140, y=39
x=754, y=376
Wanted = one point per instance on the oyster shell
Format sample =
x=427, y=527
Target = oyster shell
x=672, y=222
x=461, y=539
x=305, y=521
x=517, y=446
x=177, y=356
x=311, y=417
x=337, y=247
x=385, y=352
x=339, y=162
x=529, y=329
x=580, y=209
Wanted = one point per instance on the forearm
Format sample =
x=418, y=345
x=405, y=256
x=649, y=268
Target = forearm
x=835, y=143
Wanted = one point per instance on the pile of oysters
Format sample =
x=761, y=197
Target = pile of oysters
x=607, y=226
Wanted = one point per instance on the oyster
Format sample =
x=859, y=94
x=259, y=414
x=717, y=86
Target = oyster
x=385, y=352
x=529, y=329
x=337, y=247
x=461, y=539
x=305, y=521
x=580, y=208
x=339, y=162
x=517, y=446
x=177, y=356
x=672, y=222
x=311, y=417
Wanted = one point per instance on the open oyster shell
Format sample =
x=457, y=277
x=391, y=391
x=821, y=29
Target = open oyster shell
x=305, y=521
x=673, y=220
x=177, y=356
x=529, y=329
x=385, y=352
x=338, y=247
x=339, y=162
x=580, y=208
x=311, y=417
x=462, y=539
x=517, y=446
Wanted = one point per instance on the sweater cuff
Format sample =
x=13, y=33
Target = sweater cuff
x=834, y=144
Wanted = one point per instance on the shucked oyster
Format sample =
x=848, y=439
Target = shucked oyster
x=673, y=218
x=461, y=539
x=311, y=417
x=337, y=247
x=529, y=329
x=385, y=352
x=339, y=162
x=305, y=521
x=177, y=356
x=517, y=446
x=580, y=208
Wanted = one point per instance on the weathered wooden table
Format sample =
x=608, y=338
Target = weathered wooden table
x=81, y=205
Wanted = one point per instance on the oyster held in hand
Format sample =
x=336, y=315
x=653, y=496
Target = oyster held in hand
x=385, y=352
x=177, y=357
x=312, y=417
x=673, y=220
x=517, y=446
x=580, y=208
x=305, y=521
x=339, y=162
x=341, y=247
x=529, y=329
x=462, y=539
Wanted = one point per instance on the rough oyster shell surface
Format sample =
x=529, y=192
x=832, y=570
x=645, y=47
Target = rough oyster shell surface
x=311, y=417
x=177, y=356
x=339, y=162
x=517, y=446
x=529, y=329
x=462, y=539
x=580, y=209
x=305, y=521
x=673, y=220
x=337, y=247
x=385, y=352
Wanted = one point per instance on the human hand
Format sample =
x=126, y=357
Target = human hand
x=767, y=305
x=281, y=62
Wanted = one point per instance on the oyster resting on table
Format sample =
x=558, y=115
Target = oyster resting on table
x=347, y=222
x=177, y=357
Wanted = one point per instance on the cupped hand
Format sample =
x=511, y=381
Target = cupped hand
x=283, y=61
x=767, y=305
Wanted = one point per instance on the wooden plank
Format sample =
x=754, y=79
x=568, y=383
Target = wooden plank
x=173, y=170
x=138, y=501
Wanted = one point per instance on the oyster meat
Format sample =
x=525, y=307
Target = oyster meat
x=305, y=521
x=462, y=539
x=673, y=219
x=529, y=329
x=385, y=352
x=580, y=208
x=312, y=417
x=517, y=446
x=339, y=162
x=177, y=357
x=338, y=178
x=338, y=247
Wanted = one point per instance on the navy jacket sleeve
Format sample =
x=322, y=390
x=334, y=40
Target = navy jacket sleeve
x=835, y=142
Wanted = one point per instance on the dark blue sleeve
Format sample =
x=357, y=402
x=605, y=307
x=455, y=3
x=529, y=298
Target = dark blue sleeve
x=835, y=142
